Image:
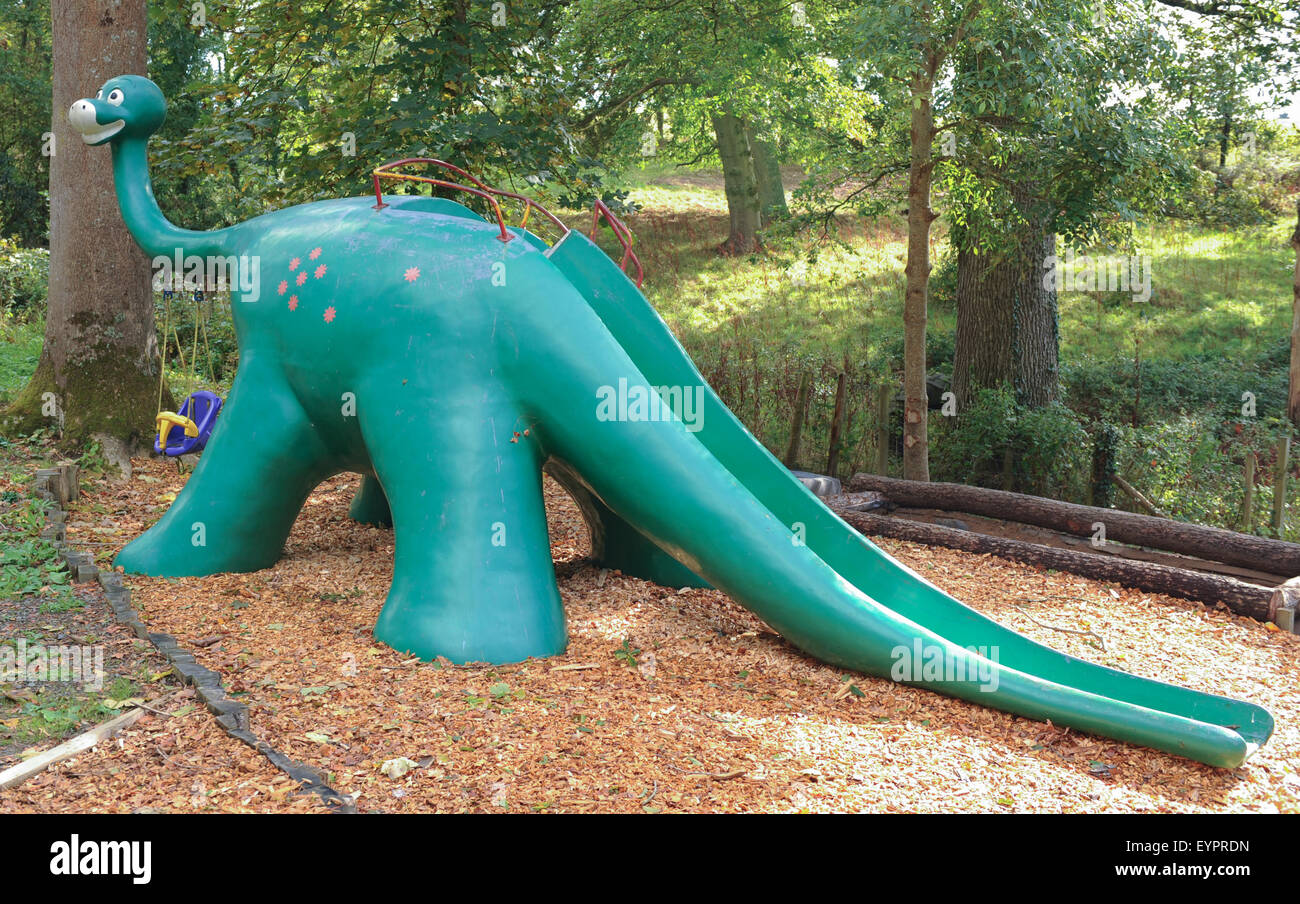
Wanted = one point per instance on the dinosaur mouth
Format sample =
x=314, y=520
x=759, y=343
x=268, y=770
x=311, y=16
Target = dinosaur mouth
x=103, y=134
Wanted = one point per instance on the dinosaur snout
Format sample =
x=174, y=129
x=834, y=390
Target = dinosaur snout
x=84, y=118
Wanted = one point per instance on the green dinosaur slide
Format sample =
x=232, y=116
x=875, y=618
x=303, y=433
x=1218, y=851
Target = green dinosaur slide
x=1070, y=691
x=449, y=359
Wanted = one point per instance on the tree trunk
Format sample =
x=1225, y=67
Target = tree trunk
x=1243, y=598
x=741, y=186
x=767, y=174
x=1225, y=139
x=1007, y=328
x=1293, y=393
x=916, y=455
x=797, y=420
x=1213, y=543
x=98, y=371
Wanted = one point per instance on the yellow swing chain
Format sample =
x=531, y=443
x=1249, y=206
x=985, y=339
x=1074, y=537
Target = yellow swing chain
x=166, y=337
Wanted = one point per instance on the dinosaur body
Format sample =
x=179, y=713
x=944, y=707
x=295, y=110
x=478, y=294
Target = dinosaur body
x=411, y=344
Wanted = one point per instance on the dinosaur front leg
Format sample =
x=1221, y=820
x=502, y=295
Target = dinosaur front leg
x=239, y=504
x=473, y=578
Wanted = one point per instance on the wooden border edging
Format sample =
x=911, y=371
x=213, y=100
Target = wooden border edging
x=1216, y=544
x=58, y=487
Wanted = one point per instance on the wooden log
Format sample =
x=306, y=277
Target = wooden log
x=1242, y=598
x=62, y=481
x=1286, y=598
x=1012, y=530
x=80, y=744
x=1216, y=544
x=1137, y=496
x=796, y=421
x=837, y=422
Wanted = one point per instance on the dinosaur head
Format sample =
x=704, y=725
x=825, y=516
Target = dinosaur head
x=127, y=106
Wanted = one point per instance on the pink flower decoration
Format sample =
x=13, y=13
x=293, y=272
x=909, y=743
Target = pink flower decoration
x=283, y=287
x=293, y=264
x=320, y=271
x=302, y=277
x=293, y=302
x=315, y=253
x=329, y=314
x=412, y=274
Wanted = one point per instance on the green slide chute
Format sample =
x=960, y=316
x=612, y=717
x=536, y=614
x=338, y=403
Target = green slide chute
x=1050, y=685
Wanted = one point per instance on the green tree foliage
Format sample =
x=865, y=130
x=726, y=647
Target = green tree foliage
x=24, y=122
x=309, y=97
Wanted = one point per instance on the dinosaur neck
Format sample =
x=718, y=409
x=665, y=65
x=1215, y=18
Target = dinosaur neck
x=152, y=231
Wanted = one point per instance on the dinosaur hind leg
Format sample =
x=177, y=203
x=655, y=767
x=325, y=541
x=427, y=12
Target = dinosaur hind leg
x=615, y=544
x=370, y=505
x=473, y=578
x=238, y=506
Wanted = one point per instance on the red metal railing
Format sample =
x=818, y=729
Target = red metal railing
x=490, y=194
x=622, y=233
x=479, y=188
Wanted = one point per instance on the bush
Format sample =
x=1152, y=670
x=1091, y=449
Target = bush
x=1112, y=390
x=1240, y=203
x=24, y=278
x=940, y=347
x=1256, y=185
x=1049, y=449
x=1190, y=451
x=943, y=282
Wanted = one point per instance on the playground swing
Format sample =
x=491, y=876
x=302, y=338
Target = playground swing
x=185, y=431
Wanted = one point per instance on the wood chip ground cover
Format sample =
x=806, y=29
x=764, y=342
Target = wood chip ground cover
x=665, y=701
x=174, y=759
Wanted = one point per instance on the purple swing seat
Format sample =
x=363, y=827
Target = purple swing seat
x=201, y=407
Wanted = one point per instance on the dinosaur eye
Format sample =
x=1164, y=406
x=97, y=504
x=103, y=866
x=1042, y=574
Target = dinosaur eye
x=115, y=97
x=99, y=95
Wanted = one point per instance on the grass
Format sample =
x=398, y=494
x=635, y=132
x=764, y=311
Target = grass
x=20, y=348
x=822, y=296
x=1224, y=292
x=60, y=709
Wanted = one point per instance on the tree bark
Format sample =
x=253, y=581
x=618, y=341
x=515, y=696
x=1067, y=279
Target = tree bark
x=1293, y=391
x=797, y=420
x=1007, y=327
x=98, y=371
x=1251, y=600
x=741, y=187
x=1225, y=139
x=1215, y=544
x=767, y=175
x=916, y=456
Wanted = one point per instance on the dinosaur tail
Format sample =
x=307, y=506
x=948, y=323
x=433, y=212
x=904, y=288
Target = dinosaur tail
x=707, y=493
